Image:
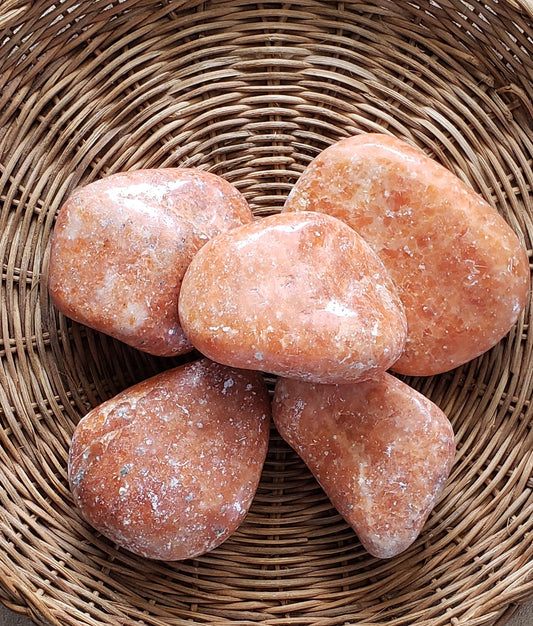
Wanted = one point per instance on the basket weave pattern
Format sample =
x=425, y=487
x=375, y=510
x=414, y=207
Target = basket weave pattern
x=252, y=92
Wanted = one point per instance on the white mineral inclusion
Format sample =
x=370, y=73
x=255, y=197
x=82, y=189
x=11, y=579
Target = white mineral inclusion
x=77, y=227
x=135, y=196
x=339, y=309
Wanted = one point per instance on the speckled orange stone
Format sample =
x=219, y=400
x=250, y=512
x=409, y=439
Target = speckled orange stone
x=121, y=246
x=168, y=468
x=461, y=271
x=381, y=451
x=299, y=295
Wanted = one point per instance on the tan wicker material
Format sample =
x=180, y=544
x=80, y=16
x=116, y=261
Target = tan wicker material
x=252, y=92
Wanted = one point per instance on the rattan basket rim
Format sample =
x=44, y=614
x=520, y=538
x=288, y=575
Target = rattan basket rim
x=252, y=91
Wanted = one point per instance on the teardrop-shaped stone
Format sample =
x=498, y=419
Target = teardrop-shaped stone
x=381, y=451
x=169, y=467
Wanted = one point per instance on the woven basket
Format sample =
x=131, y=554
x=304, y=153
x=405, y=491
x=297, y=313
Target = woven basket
x=253, y=92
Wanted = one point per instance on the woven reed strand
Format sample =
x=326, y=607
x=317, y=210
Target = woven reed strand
x=253, y=92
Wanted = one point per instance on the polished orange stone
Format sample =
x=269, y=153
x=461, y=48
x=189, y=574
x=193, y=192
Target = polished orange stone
x=462, y=273
x=299, y=295
x=168, y=468
x=381, y=451
x=121, y=246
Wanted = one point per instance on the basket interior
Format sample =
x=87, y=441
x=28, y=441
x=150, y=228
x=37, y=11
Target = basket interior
x=252, y=92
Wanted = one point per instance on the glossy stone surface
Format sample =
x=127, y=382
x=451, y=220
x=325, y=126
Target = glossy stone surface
x=461, y=271
x=121, y=246
x=168, y=468
x=380, y=450
x=299, y=295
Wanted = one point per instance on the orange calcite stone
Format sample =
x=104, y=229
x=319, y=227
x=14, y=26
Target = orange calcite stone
x=461, y=271
x=381, y=451
x=299, y=295
x=168, y=468
x=121, y=246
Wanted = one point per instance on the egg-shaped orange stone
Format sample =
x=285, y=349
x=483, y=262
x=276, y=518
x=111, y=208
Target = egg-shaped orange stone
x=461, y=271
x=169, y=467
x=300, y=295
x=121, y=245
x=381, y=451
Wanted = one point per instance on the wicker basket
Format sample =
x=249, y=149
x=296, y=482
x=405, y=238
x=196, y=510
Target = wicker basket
x=252, y=92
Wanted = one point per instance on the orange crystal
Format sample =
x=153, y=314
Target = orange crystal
x=299, y=295
x=461, y=271
x=121, y=246
x=381, y=451
x=168, y=468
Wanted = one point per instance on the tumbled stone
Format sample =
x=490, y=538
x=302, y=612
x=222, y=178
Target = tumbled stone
x=461, y=271
x=299, y=295
x=381, y=451
x=121, y=246
x=168, y=468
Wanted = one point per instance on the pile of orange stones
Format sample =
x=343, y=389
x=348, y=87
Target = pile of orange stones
x=381, y=262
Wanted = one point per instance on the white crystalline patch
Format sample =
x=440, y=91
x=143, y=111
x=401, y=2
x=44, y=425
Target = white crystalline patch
x=227, y=384
x=397, y=212
x=253, y=237
x=184, y=408
x=154, y=501
x=338, y=308
x=127, y=312
x=364, y=482
x=298, y=408
x=106, y=289
x=134, y=315
x=516, y=309
x=123, y=412
x=145, y=198
x=76, y=227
